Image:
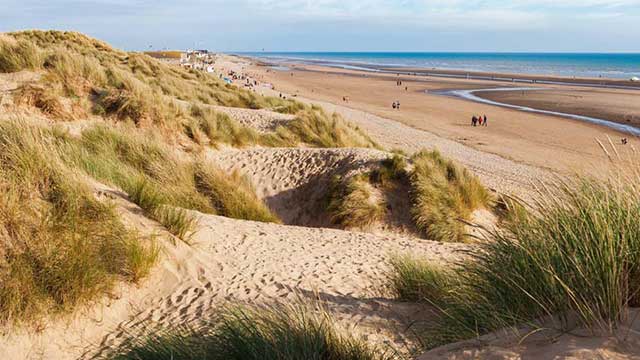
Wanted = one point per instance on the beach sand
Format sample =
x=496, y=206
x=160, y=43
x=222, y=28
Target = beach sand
x=551, y=142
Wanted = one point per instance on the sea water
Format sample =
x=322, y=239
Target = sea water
x=606, y=65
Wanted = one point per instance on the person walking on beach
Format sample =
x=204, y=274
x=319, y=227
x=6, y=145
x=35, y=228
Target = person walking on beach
x=479, y=120
x=398, y=105
x=393, y=105
x=474, y=120
x=484, y=123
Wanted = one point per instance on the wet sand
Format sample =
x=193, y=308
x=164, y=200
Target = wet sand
x=541, y=140
x=619, y=106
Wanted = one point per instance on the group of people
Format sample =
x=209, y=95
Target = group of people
x=396, y=105
x=479, y=120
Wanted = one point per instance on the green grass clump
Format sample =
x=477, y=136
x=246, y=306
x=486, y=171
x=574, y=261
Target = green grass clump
x=177, y=221
x=352, y=204
x=220, y=128
x=231, y=195
x=315, y=128
x=417, y=280
x=61, y=247
x=572, y=261
x=391, y=172
x=275, y=333
x=443, y=194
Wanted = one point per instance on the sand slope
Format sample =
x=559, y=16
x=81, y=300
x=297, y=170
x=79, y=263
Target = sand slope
x=546, y=344
x=249, y=262
x=261, y=120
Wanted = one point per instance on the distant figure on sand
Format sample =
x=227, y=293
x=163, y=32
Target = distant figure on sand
x=474, y=120
x=625, y=141
x=480, y=120
x=398, y=105
x=484, y=122
x=393, y=105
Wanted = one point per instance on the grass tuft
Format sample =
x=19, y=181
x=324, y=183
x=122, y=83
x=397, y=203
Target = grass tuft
x=352, y=204
x=315, y=128
x=44, y=99
x=177, y=221
x=443, y=194
x=573, y=261
x=18, y=54
x=269, y=333
x=416, y=280
x=231, y=195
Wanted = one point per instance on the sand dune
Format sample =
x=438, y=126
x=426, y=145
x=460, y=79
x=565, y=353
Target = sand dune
x=294, y=181
x=237, y=261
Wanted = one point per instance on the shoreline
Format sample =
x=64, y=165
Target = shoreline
x=516, y=78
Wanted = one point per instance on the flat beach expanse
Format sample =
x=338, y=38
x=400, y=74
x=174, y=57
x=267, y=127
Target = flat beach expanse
x=546, y=141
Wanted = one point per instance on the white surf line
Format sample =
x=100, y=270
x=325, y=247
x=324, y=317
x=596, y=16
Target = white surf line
x=469, y=95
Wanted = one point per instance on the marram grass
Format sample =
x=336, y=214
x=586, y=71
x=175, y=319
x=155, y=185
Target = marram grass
x=572, y=260
x=278, y=332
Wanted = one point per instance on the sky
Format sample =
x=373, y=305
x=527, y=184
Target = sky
x=341, y=25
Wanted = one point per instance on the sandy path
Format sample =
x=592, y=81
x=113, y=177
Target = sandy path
x=250, y=262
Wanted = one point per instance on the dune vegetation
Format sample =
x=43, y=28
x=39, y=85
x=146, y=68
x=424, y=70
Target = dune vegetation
x=160, y=182
x=61, y=247
x=571, y=261
x=245, y=333
x=352, y=203
x=83, y=76
x=443, y=195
